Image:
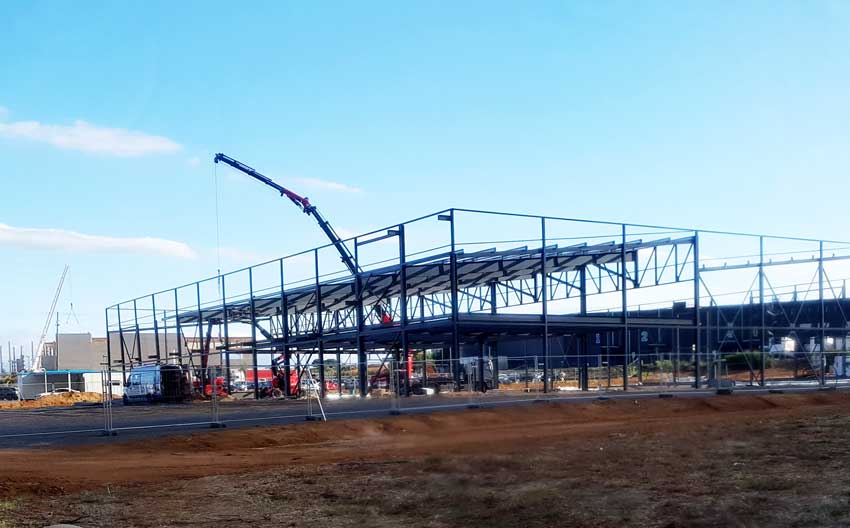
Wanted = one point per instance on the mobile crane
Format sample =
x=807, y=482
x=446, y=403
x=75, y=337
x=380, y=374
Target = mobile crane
x=309, y=209
x=303, y=203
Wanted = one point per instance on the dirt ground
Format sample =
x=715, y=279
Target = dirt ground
x=54, y=400
x=743, y=460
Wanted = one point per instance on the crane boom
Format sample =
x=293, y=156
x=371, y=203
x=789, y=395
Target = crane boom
x=303, y=203
x=36, y=364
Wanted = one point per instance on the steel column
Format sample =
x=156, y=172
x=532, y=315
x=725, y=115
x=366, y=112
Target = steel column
x=225, y=318
x=455, y=350
x=204, y=356
x=253, y=333
x=763, y=329
x=121, y=344
x=697, y=337
x=138, y=337
x=822, y=315
x=544, y=294
x=627, y=352
x=402, y=259
x=108, y=351
x=155, y=329
x=362, y=359
x=582, y=281
x=179, y=329
x=165, y=334
x=319, y=325
x=284, y=325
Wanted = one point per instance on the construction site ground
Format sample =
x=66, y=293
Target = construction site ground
x=740, y=460
x=54, y=400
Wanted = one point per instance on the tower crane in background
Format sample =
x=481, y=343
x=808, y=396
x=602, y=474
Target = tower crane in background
x=36, y=364
x=310, y=210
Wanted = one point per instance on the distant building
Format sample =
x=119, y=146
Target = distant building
x=74, y=352
x=84, y=352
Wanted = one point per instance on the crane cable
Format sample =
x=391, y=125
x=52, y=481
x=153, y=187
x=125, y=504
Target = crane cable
x=71, y=313
x=217, y=227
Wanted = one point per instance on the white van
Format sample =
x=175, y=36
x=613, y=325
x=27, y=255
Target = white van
x=157, y=383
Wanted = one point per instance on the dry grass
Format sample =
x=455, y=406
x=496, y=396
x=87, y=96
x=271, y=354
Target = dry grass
x=785, y=469
x=7, y=509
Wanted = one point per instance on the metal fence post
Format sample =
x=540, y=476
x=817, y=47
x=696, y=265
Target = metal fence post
x=215, y=418
x=106, y=389
x=394, y=386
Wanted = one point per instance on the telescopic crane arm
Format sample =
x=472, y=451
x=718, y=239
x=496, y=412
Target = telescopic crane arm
x=303, y=203
x=36, y=364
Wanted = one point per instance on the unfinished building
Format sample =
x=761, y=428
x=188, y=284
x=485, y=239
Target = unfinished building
x=572, y=294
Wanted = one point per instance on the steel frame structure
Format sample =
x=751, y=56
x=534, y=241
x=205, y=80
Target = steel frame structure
x=455, y=297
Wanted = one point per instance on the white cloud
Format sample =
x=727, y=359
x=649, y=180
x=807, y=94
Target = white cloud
x=194, y=161
x=4, y=113
x=61, y=239
x=328, y=185
x=88, y=138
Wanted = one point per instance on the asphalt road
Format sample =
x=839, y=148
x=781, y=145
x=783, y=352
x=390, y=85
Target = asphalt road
x=63, y=426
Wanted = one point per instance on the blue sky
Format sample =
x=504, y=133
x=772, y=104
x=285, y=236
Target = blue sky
x=698, y=114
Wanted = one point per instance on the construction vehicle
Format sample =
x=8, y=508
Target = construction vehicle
x=298, y=381
x=279, y=382
x=158, y=383
x=430, y=378
x=309, y=209
x=207, y=388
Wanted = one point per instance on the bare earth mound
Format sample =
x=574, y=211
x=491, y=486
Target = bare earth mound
x=778, y=460
x=54, y=400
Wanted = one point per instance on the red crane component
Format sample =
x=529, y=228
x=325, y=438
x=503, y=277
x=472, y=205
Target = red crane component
x=303, y=203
